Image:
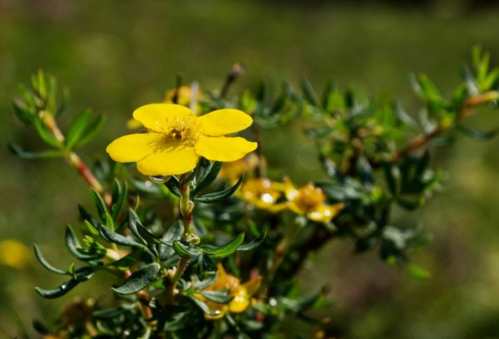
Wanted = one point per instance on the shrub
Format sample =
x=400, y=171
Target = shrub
x=201, y=239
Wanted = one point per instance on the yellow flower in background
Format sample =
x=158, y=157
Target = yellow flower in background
x=241, y=294
x=176, y=138
x=311, y=202
x=263, y=193
x=14, y=254
x=232, y=171
x=185, y=96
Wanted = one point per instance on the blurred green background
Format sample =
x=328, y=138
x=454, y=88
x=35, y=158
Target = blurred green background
x=115, y=55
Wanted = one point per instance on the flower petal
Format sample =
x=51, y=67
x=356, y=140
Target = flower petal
x=170, y=160
x=224, y=121
x=133, y=147
x=224, y=148
x=158, y=117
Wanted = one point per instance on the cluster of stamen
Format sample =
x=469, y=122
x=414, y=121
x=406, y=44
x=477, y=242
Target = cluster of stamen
x=184, y=130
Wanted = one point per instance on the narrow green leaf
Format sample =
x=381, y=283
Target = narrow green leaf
x=224, y=250
x=22, y=112
x=18, y=151
x=174, y=186
x=45, y=263
x=185, y=250
x=217, y=296
x=91, y=131
x=119, y=239
x=45, y=134
x=477, y=134
x=173, y=233
x=119, y=196
x=210, y=175
x=309, y=92
x=249, y=246
x=103, y=211
x=77, y=128
x=220, y=195
x=139, y=279
x=139, y=230
x=74, y=246
x=59, y=291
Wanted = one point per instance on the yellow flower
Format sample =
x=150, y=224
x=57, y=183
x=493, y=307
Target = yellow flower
x=176, y=138
x=311, y=202
x=241, y=294
x=14, y=254
x=185, y=96
x=263, y=193
x=232, y=171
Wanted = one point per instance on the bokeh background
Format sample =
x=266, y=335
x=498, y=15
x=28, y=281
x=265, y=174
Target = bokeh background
x=115, y=55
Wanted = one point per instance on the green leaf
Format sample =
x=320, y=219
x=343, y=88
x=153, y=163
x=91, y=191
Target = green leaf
x=173, y=233
x=426, y=89
x=18, y=151
x=477, y=134
x=209, y=176
x=91, y=131
x=217, y=296
x=418, y=272
x=186, y=250
x=392, y=176
x=139, y=230
x=45, y=134
x=309, y=92
x=77, y=128
x=74, y=246
x=118, y=197
x=249, y=246
x=59, y=291
x=120, y=239
x=23, y=113
x=174, y=186
x=103, y=211
x=220, y=195
x=39, y=256
x=139, y=279
x=224, y=250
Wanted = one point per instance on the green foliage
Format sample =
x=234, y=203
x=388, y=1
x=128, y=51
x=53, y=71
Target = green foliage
x=166, y=240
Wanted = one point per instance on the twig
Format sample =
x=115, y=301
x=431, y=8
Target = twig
x=465, y=111
x=236, y=71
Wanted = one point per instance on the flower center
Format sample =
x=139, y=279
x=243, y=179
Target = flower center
x=183, y=130
x=309, y=197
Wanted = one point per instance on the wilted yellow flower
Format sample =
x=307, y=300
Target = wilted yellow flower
x=241, y=294
x=311, y=202
x=14, y=254
x=185, y=96
x=232, y=171
x=263, y=193
x=176, y=138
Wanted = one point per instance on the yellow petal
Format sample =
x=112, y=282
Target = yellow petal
x=158, y=117
x=224, y=148
x=224, y=121
x=172, y=160
x=325, y=213
x=133, y=147
x=133, y=124
x=240, y=300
